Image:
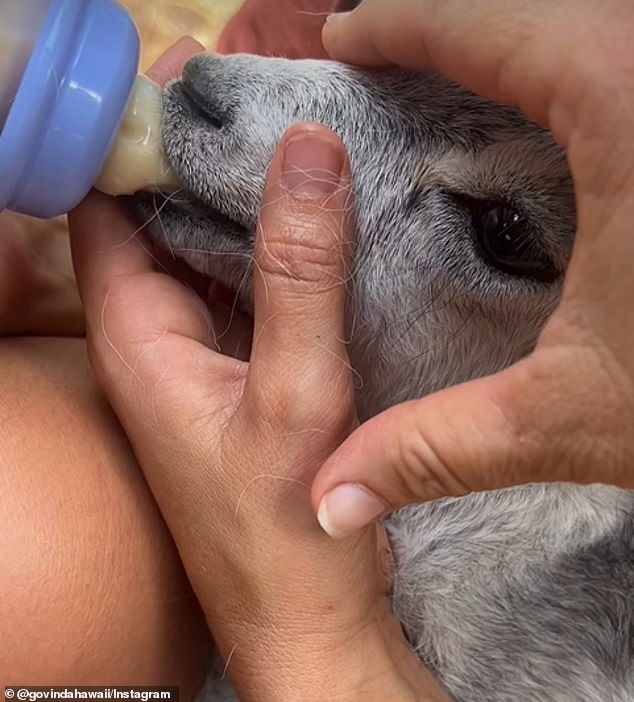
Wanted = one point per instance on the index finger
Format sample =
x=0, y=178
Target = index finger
x=170, y=64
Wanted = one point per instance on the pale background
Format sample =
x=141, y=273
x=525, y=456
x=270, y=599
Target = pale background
x=160, y=22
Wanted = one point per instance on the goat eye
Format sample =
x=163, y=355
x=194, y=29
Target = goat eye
x=505, y=242
x=501, y=233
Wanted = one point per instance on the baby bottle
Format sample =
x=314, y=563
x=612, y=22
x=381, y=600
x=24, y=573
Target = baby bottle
x=72, y=111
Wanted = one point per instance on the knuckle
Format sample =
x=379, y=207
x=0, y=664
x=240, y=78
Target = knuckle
x=420, y=471
x=305, y=247
x=324, y=409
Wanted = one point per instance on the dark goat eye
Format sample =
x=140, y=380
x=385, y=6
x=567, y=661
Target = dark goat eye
x=502, y=234
x=505, y=241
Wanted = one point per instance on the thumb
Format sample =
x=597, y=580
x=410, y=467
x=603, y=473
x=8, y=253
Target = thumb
x=513, y=428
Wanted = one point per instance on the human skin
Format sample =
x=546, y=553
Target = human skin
x=37, y=286
x=91, y=586
x=290, y=28
x=92, y=590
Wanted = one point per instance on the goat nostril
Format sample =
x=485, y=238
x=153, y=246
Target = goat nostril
x=206, y=108
x=200, y=89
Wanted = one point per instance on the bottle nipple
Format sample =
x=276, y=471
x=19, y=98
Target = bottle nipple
x=136, y=161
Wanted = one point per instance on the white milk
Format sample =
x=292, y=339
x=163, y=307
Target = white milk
x=136, y=161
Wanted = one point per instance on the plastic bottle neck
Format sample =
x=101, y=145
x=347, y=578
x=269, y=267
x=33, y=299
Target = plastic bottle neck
x=68, y=107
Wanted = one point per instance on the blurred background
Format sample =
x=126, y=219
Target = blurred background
x=160, y=22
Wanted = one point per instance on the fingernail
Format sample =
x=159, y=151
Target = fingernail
x=347, y=509
x=312, y=166
x=337, y=16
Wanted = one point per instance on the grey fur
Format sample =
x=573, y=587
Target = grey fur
x=522, y=594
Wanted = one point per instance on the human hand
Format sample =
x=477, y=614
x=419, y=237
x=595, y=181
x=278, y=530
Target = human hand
x=230, y=448
x=565, y=413
x=290, y=28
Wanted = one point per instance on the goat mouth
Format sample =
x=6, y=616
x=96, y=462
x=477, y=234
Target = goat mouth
x=188, y=204
x=161, y=212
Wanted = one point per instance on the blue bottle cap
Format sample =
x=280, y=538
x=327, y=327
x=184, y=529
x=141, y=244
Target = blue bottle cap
x=68, y=107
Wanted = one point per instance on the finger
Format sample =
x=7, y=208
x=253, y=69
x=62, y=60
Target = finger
x=510, y=429
x=170, y=64
x=291, y=28
x=126, y=301
x=299, y=360
x=502, y=50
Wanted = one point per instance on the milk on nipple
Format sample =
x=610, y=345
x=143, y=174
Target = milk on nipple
x=136, y=161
